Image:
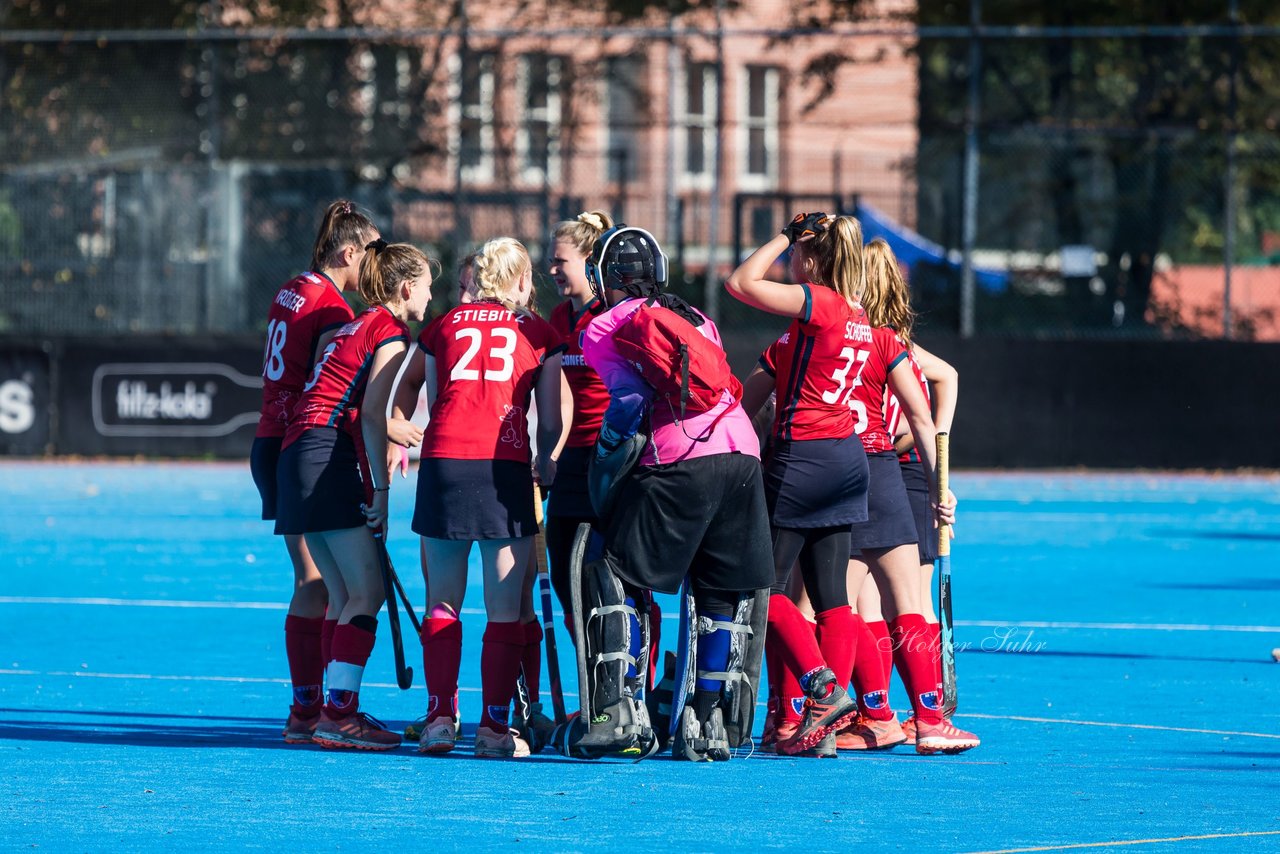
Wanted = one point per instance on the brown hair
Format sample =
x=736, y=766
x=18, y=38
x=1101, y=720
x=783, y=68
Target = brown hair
x=385, y=266
x=583, y=231
x=887, y=299
x=342, y=226
x=834, y=257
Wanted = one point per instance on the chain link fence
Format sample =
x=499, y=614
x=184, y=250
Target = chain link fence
x=172, y=184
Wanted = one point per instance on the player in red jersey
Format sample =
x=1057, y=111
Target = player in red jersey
x=887, y=544
x=815, y=470
x=569, y=505
x=890, y=305
x=304, y=316
x=320, y=491
x=481, y=362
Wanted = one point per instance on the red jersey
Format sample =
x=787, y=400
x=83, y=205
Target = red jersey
x=590, y=396
x=304, y=309
x=815, y=366
x=867, y=402
x=332, y=398
x=487, y=361
x=893, y=408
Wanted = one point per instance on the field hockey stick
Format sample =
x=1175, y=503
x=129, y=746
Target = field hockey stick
x=404, y=597
x=946, y=628
x=548, y=624
x=404, y=673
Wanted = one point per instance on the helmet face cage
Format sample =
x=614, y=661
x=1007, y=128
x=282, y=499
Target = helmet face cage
x=647, y=259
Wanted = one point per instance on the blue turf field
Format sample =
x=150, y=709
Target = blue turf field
x=1117, y=633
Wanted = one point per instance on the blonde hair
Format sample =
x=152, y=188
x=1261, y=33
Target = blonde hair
x=834, y=257
x=583, y=231
x=385, y=266
x=497, y=269
x=887, y=299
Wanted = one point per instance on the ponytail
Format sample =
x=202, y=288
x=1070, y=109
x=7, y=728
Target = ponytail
x=341, y=226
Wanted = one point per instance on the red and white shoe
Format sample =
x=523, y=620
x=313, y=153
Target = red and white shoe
x=868, y=734
x=909, y=729
x=298, y=729
x=357, y=731
x=943, y=738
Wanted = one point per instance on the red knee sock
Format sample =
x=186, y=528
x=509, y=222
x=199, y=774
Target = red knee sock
x=791, y=698
x=838, y=639
x=306, y=665
x=441, y=658
x=531, y=659
x=911, y=640
x=935, y=652
x=884, y=647
x=798, y=646
x=500, y=657
x=326, y=640
x=870, y=682
x=655, y=635
x=351, y=648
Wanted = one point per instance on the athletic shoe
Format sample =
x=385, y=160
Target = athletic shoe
x=299, y=729
x=414, y=731
x=909, y=729
x=824, y=749
x=439, y=735
x=821, y=716
x=491, y=744
x=357, y=730
x=943, y=738
x=868, y=734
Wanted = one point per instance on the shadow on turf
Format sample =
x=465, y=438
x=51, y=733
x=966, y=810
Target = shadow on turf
x=1218, y=535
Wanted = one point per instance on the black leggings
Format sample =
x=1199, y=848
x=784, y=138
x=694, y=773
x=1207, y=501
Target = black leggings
x=824, y=563
x=560, y=531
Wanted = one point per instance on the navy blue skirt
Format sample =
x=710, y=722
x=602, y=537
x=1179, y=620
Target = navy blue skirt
x=474, y=500
x=318, y=486
x=569, y=495
x=889, y=520
x=918, y=496
x=816, y=483
x=264, y=460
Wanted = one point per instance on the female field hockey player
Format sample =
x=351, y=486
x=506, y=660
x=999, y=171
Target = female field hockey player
x=569, y=504
x=887, y=543
x=320, y=491
x=940, y=383
x=693, y=506
x=481, y=362
x=304, y=316
x=816, y=470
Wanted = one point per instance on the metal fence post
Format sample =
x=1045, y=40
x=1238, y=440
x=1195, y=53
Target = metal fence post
x=969, y=228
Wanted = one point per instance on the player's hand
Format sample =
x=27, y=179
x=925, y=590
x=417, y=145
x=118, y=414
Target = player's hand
x=404, y=432
x=375, y=514
x=804, y=226
x=944, y=512
x=546, y=471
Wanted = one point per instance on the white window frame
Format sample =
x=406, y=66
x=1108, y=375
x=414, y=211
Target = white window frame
x=686, y=121
x=628, y=134
x=483, y=172
x=552, y=114
x=757, y=182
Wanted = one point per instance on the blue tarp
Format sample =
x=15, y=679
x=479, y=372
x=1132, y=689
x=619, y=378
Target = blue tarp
x=912, y=248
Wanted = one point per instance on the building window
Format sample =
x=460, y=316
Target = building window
x=472, y=106
x=624, y=117
x=538, y=138
x=697, y=122
x=759, y=154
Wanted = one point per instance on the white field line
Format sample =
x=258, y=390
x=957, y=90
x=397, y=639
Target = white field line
x=1113, y=724
x=280, y=606
x=1121, y=842
x=245, y=680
